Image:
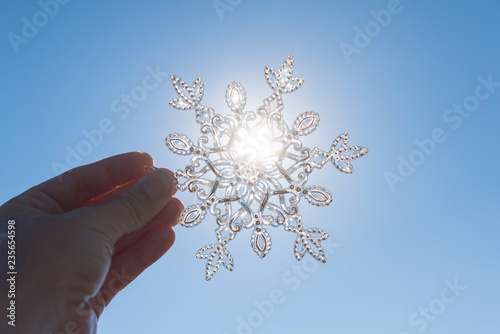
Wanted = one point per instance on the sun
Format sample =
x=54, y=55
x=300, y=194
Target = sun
x=256, y=145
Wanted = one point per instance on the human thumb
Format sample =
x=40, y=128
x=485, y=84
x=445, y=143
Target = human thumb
x=133, y=207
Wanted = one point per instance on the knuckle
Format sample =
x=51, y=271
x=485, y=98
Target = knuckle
x=133, y=206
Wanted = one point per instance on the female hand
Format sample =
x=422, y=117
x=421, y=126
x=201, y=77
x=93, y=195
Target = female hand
x=82, y=237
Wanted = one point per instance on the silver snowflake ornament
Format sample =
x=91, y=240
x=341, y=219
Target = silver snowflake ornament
x=253, y=171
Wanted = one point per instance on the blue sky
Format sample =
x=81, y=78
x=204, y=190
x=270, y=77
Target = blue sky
x=414, y=230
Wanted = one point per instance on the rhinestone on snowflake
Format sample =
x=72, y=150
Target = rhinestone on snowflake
x=254, y=170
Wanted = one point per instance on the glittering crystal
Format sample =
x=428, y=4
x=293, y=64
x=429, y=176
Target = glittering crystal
x=254, y=170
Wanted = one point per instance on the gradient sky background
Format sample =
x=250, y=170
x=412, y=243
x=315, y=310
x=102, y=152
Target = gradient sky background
x=396, y=247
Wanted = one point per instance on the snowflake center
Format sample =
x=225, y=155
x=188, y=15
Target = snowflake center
x=256, y=145
x=248, y=173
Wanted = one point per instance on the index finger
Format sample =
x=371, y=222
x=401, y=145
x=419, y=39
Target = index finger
x=75, y=187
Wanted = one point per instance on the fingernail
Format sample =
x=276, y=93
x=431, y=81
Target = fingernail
x=158, y=185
